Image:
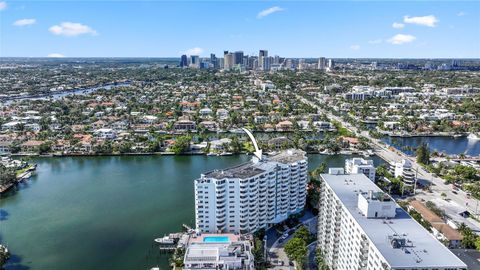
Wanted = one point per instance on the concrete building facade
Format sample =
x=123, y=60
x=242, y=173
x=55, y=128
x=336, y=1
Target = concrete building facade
x=253, y=195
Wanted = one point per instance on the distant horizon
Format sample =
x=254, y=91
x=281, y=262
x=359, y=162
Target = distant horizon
x=178, y=57
x=292, y=29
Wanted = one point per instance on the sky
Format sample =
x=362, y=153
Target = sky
x=336, y=29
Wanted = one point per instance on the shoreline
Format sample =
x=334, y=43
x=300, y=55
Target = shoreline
x=345, y=152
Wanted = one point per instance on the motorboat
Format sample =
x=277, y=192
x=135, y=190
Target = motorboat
x=473, y=136
x=165, y=240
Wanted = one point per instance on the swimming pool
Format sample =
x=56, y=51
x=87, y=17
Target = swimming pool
x=216, y=239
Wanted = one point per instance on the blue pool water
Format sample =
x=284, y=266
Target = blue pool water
x=216, y=239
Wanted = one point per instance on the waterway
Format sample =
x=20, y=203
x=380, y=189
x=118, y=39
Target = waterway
x=104, y=212
x=448, y=145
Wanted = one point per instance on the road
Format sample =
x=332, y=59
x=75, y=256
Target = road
x=392, y=155
x=311, y=263
x=276, y=253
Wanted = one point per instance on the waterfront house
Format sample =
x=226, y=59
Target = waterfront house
x=279, y=143
x=31, y=146
x=105, y=133
x=209, y=125
x=184, y=126
x=5, y=147
x=284, y=126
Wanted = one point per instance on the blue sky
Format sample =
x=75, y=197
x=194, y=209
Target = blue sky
x=287, y=28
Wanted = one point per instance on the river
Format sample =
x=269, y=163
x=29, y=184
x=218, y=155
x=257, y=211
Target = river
x=104, y=212
x=448, y=145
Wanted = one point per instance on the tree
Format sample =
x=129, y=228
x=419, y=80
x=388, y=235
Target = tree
x=423, y=154
x=4, y=255
x=321, y=263
x=303, y=233
x=7, y=175
x=296, y=249
x=322, y=168
x=182, y=145
x=469, y=240
x=235, y=145
x=45, y=147
x=477, y=243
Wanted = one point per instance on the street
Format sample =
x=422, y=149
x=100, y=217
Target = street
x=459, y=201
x=276, y=253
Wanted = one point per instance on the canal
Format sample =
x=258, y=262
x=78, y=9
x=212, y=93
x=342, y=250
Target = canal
x=448, y=145
x=104, y=212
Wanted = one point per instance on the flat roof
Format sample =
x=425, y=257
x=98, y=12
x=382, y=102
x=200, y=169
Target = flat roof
x=251, y=168
x=423, y=250
x=242, y=171
x=288, y=156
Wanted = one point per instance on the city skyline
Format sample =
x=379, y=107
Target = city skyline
x=308, y=29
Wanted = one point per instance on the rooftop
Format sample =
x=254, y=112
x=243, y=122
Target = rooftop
x=401, y=240
x=242, y=171
x=255, y=167
x=288, y=156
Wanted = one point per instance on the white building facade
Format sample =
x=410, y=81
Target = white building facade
x=360, y=165
x=360, y=227
x=251, y=196
x=404, y=170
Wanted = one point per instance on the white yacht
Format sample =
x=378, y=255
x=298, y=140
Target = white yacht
x=473, y=136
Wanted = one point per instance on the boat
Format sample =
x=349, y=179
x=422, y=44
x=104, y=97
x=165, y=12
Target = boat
x=211, y=154
x=165, y=240
x=226, y=154
x=457, y=135
x=473, y=136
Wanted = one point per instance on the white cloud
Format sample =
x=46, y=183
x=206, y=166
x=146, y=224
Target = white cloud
x=3, y=5
x=397, y=25
x=194, y=51
x=269, y=11
x=70, y=29
x=401, y=39
x=461, y=13
x=430, y=20
x=24, y=22
x=355, y=47
x=56, y=55
x=375, y=41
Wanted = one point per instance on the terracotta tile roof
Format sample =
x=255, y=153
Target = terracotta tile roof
x=447, y=231
x=426, y=213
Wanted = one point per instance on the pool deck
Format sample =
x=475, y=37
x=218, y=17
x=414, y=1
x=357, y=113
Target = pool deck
x=200, y=238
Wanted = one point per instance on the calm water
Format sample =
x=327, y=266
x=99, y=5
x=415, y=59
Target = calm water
x=103, y=212
x=448, y=145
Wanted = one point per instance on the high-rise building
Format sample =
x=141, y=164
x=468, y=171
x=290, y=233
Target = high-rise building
x=331, y=64
x=360, y=226
x=184, y=61
x=322, y=63
x=360, y=165
x=213, y=61
x=254, y=195
x=229, y=61
x=276, y=59
x=238, y=58
x=263, y=60
x=195, y=61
